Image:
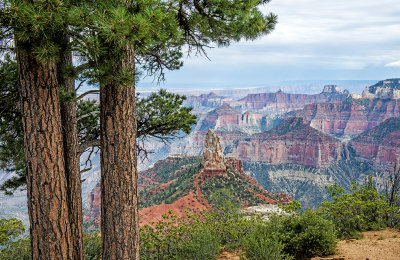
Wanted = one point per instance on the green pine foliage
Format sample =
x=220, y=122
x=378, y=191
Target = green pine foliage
x=11, y=245
x=39, y=27
x=168, y=120
x=12, y=157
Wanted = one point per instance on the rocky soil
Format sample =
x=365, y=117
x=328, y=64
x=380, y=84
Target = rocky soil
x=375, y=245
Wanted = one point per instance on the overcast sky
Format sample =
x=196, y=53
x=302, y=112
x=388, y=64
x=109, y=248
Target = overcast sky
x=313, y=40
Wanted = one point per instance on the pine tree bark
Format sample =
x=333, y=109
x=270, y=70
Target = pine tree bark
x=71, y=153
x=45, y=173
x=119, y=210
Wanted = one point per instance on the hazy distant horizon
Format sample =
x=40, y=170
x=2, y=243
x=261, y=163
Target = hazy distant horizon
x=289, y=86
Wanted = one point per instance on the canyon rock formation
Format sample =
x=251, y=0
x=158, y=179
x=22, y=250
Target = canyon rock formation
x=213, y=156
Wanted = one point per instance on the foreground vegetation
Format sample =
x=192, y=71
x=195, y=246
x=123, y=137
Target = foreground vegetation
x=203, y=235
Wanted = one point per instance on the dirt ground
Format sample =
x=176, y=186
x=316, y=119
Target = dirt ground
x=230, y=256
x=375, y=245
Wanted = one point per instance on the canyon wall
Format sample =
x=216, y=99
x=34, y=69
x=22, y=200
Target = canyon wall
x=292, y=142
x=281, y=102
x=381, y=144
x=350, y=117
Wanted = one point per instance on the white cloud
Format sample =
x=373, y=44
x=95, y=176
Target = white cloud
x=393, y=64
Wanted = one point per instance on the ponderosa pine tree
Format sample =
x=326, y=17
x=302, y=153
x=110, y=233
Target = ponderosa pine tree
x=68, y=110
x=148, y=35
x=37, y=30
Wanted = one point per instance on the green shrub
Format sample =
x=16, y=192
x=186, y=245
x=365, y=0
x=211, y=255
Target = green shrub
x=361, y=209
x=196, y=236
x=20, y=249
x=178, y=238
x=201, y=244
x=298, y=236
x=10, y=229
x=305, y=235
x=263, y=244
x=226, y=220
x=93, y=249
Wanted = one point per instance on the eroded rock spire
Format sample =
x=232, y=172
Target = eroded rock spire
x=213, y=157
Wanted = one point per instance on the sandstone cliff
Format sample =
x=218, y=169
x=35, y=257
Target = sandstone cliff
x=386, y=89
x=381, y=144
x=205, y=102
x=226, y=118
x=291, y=142
x=280, y=102
x=350, y=117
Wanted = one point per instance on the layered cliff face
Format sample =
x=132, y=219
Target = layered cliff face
x=350, y=117
x=281, y=102
x=306, y=184
x=381, y=144
x=205, y=102
x=386, y=89
x=226, y=118
x=291, y=142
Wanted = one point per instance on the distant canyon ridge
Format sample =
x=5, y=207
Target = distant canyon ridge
x=293, y=144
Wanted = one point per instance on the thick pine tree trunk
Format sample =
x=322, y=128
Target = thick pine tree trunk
x=71, y=155
x=46, y=181
x=119, y=208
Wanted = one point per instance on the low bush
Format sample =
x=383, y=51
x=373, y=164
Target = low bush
x=11, y=244
x=263, y=244
x=305, y=235
x=298, y=235
x=200, y=244
x=93, y=248
x=363, y=208
x=20, y=249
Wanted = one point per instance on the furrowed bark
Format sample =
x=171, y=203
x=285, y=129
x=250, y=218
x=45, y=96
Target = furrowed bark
x=119, y=210
x=71, y=154
x=46, y=181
